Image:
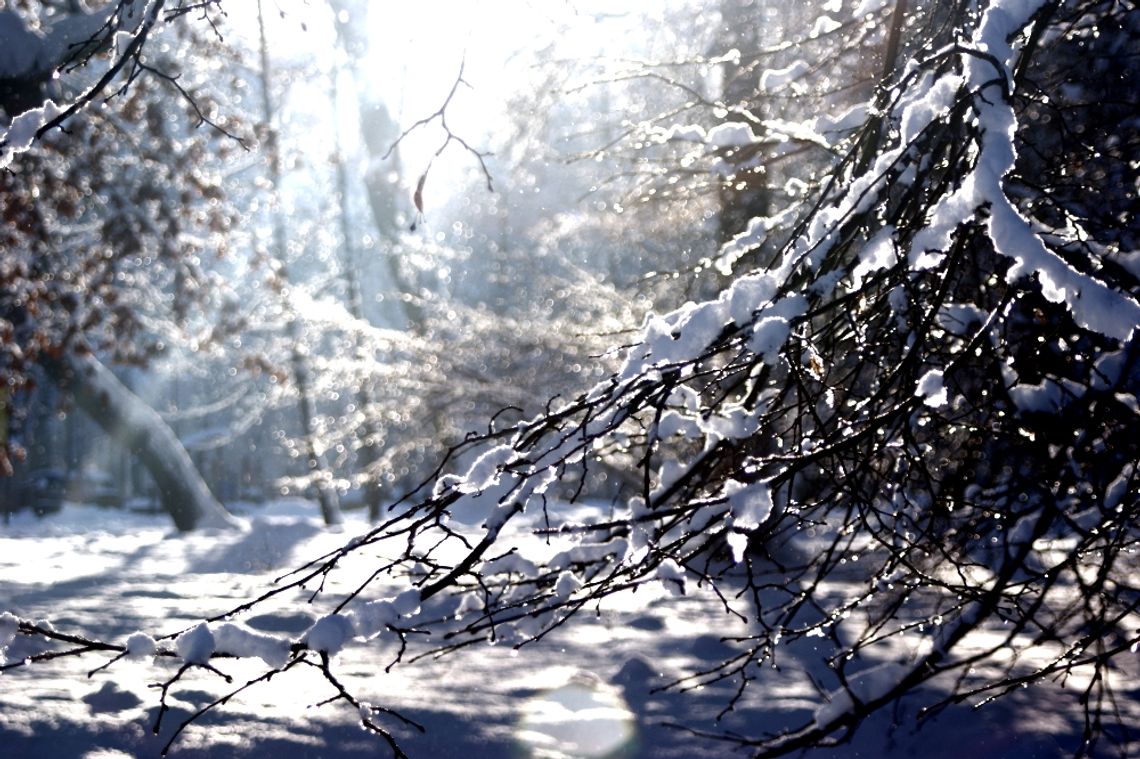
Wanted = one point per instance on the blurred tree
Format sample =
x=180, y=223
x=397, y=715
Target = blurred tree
x=317, y=467
x=109, y=226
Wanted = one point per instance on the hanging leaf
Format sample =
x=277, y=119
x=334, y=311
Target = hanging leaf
x=418, y=199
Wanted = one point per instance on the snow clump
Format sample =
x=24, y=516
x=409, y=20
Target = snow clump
x=196, y=645
x=371, y=619
x=9, y=625
x=567, y=585
x=239, y=640
x=672, y=577
x=931, y=389
x=140, y=646
x=329, y=634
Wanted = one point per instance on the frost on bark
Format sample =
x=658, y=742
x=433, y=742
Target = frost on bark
x=137, y=427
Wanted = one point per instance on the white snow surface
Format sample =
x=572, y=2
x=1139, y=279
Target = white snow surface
x=672, y=576
x=567, y=585
x=485, y=471
x=129, y=577
x=8, y=627
x=1093, y=304
x=749, y=503
x=731, y=134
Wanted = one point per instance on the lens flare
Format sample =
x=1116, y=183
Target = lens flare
x=583, y=719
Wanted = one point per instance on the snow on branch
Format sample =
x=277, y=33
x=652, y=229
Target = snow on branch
x=122, y=28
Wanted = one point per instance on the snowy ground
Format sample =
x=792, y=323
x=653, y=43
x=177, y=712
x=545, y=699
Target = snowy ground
x=585, y=692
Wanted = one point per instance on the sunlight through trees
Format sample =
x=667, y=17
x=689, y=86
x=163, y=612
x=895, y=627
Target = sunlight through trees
x=814, y=322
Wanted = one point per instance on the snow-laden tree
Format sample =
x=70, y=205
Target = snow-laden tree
x=428, y=334
x=110, y=226
x=908, y=439
x=101, y=51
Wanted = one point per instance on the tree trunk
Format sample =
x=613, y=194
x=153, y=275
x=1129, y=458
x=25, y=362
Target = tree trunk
x=369, y=433
x=317, y=467
x=140, y=430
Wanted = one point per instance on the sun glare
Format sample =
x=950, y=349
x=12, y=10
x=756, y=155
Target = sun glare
x=582, y=719
x=414, y=54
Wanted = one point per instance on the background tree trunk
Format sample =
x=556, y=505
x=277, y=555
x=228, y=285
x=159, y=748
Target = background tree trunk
x=140, y=430
x=317, y=467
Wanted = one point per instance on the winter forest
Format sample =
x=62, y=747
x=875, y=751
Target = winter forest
x=569, y=379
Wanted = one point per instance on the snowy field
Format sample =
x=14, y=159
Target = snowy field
x=585, y=691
